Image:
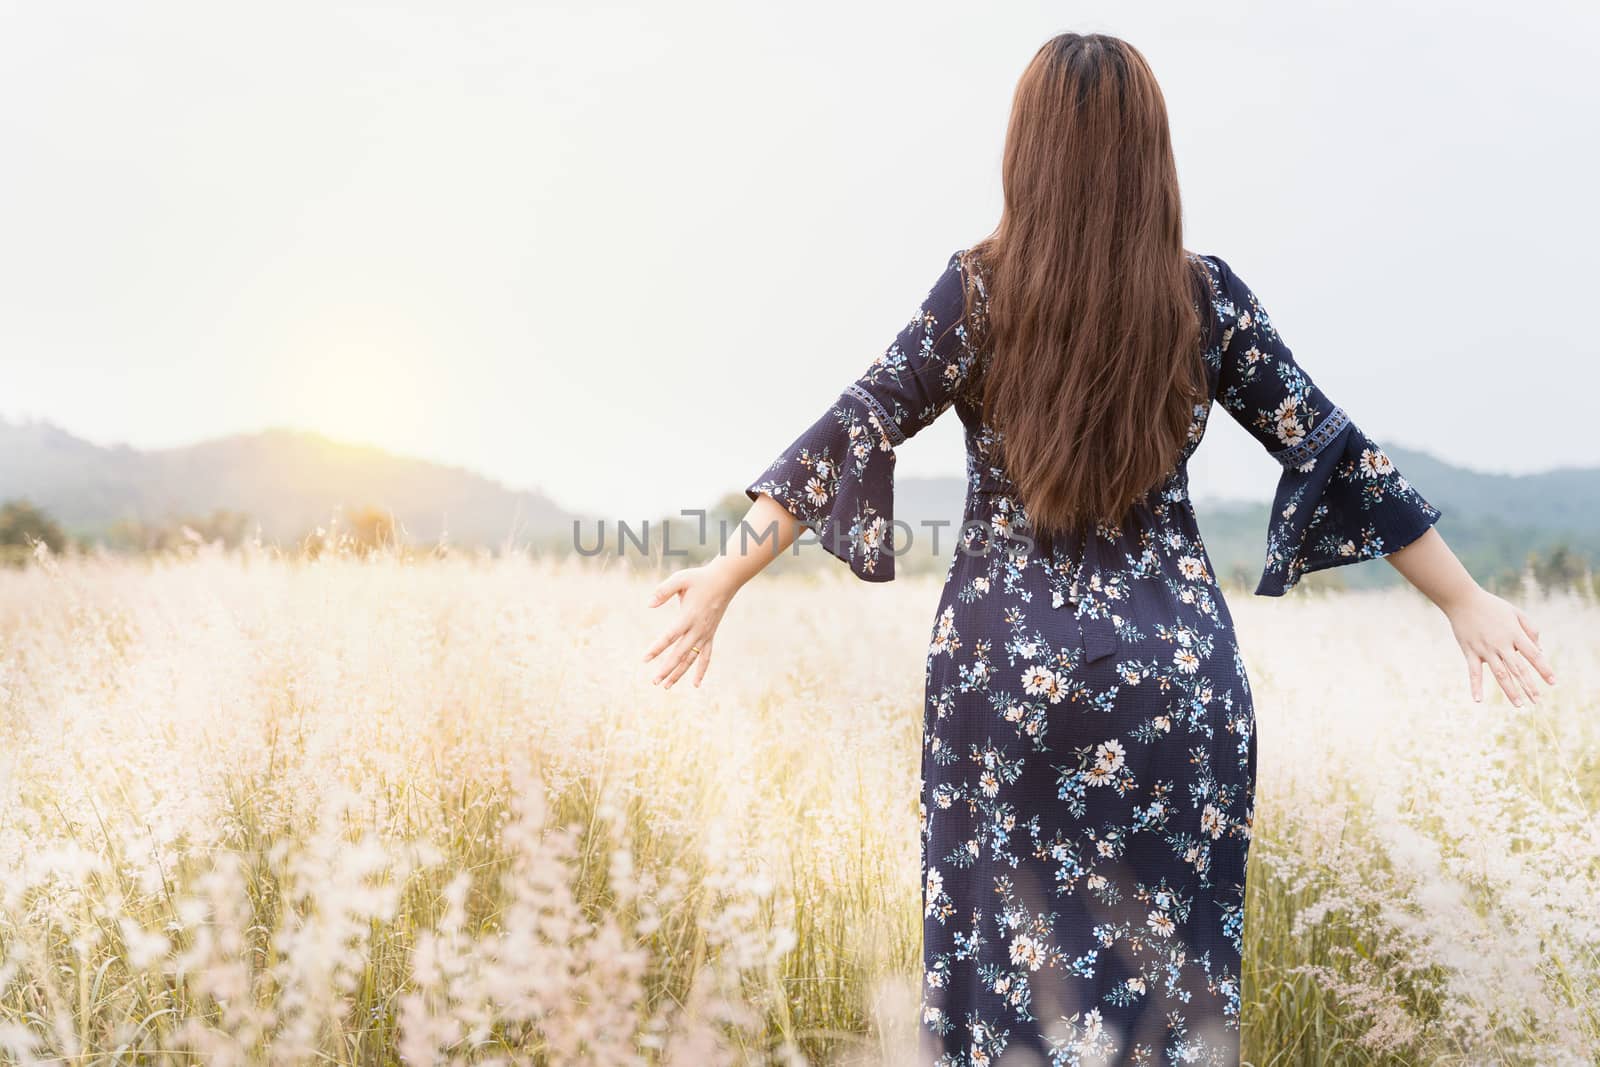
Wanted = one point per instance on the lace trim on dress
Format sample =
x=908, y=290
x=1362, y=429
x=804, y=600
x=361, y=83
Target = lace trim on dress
x=1315, y=441
x=890, y=428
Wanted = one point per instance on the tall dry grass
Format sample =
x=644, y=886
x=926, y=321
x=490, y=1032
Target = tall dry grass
x=365, y=811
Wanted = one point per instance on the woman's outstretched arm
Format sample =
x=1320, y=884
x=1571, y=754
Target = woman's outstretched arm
x=1488, y=629
x=837, y=478
x=704, y=592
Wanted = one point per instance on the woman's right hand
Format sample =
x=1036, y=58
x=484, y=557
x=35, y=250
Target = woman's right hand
x=703, y=596
x=704, y=592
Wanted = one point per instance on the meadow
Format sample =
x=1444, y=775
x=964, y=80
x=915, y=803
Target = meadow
x=367, y=811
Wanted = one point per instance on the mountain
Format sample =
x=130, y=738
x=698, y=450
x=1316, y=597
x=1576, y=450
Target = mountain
x=290, y=483
x=1492, y=521
x=287, y=481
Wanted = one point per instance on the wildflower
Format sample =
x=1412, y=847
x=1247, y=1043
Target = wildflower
x=1025, y=952
x=1374, y=463
x=1109, y=756
x=1038, y=680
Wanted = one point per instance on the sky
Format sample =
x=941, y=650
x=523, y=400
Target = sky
x=624, y=254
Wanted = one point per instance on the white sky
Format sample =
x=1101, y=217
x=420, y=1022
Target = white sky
x=626, y=253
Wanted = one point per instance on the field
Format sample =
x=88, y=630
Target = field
x=366, y=811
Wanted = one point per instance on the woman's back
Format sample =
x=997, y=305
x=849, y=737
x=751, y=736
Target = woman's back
x=1089, y=738
x=842, y=487
x=1088, y=767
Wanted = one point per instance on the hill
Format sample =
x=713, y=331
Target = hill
x=287, y=481
x=1492, y=521
x=290, y=482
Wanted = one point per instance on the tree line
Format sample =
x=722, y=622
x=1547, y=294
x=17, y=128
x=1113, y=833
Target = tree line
x=26, y=529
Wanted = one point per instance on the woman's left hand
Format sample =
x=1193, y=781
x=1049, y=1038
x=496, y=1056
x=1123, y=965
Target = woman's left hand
x=703, y=596
x=1493, y=632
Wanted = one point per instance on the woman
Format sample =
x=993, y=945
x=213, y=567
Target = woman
x=1088, y=770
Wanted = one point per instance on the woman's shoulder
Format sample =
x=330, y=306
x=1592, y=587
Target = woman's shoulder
x=968, y=261
x=1214, y=267
x=967, y=269
x=958, y=302
x=1227, y=290
x=963, y=285
x=1220, y=296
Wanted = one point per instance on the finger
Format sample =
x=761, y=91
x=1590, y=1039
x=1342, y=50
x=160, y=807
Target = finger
x=672, y=583
x=686, y=657
x=1535, y=656
x=1502, y=674
x=1527, y=625
x=1524, y=674
x=1475, y=676
x=701, y=662
x=669, y=663
x=677, y=657
x=675, y=631
x=669, y=585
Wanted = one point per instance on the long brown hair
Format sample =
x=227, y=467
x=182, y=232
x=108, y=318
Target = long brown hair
x=1095, y=369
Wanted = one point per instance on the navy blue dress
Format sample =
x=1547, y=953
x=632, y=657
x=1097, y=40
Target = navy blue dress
x=1089, y=756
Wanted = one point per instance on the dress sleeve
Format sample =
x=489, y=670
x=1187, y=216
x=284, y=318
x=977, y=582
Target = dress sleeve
x=1339, y=499
x=838, y=476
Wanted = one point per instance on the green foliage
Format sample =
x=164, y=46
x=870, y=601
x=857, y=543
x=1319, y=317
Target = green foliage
x=373, y=528
x=1561, y=568
x=366, y=531
x=231, y=528
x=22, y=525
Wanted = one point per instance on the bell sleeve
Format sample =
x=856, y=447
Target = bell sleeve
x=1339, y=498
x=838, y=475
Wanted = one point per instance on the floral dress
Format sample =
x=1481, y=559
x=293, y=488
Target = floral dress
x=1089, y=749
